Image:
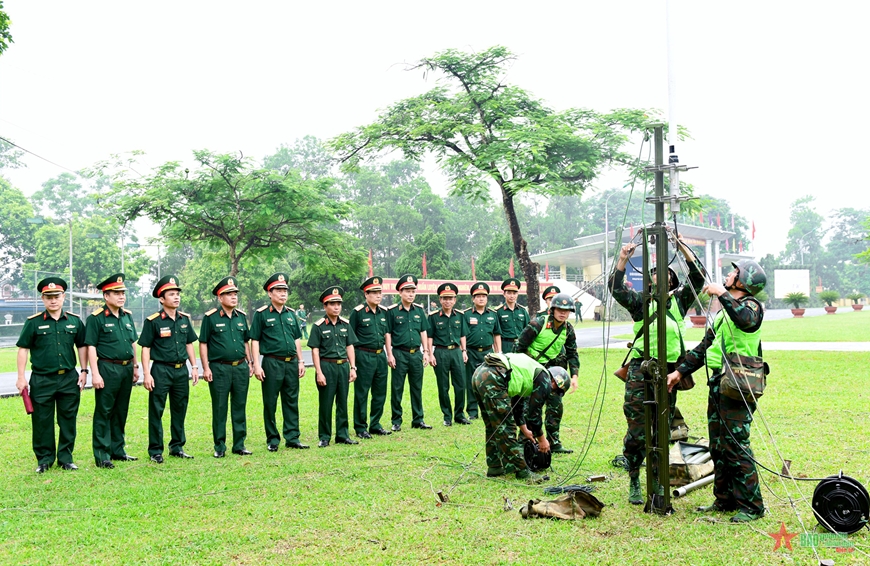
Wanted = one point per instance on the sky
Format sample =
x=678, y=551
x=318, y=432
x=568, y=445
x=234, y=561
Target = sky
x=772, y=92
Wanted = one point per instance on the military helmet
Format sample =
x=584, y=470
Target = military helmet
x=562, y=301
x=561, y=377
x=673, y=280
x=751, y=275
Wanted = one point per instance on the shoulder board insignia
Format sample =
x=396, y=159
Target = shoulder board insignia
x=462, y=311
x=487, y=309
x=96, y=312
x=34, y=315
x=433, y=312
x=419, y=306
x=73, y=314
x=210, y=312
x=359, y=307
x=344, y=320
x=501, y=306
x=241, y=312
x=184, y=314
x=391, y=307
x=261, y=309
x=319, y=322
x=127, y=311
x=524, y=307
x=153, y=316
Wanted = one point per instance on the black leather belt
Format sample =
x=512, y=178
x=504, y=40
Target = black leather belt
x=409, y=350
x=338, y=361
x=484, y=349
x=176, y=365
x=118, y=362
x=450, y=347
x=378, y=351
x=282, y=358
x=235, y=363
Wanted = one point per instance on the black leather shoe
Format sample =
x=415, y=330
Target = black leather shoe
x=421, y=425
x=296, y=445
x=271, y=448
x=364, y=434
x=181, y=454
x=448, y=422
x=42, y=468
x=381, y=432
x=218, y=454
x=157, y=458
x=323, y=444
x=242, y=452
x=346, y=441
x=463, y=421
x=473, y=418
x=396, y=427
x=69, y=466
x=125, y=458
x=107, y=464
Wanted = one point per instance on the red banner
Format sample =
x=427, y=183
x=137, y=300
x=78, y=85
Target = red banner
x=430, y=286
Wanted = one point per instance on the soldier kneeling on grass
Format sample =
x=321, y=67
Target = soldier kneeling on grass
x=511, y=390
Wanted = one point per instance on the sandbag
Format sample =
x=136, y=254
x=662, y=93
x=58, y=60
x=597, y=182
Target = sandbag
x=571, y=506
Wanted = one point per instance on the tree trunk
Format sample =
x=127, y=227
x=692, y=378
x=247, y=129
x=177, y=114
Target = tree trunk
x=234, y=261
x=527, y=266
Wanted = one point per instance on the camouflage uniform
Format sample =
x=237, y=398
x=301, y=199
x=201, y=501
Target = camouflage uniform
x=634, y=442
x=736, y=484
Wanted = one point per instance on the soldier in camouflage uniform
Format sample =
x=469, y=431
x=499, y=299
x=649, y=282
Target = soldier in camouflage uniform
x=736, y=329
x=634, y=442
x=511, y=390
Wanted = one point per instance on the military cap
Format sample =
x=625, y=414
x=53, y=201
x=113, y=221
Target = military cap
x=479, y=288
x=371, y=284
x=277, y=281
x=331, y=295
x=447, y=290
x=226, y=285
x=406, y=281
x=51, y=286
x=549, y=292
x=166, y=283
x=113, y=283
x=512, y=284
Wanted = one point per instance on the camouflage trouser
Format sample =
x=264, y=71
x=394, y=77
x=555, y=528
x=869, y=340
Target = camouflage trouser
x=634, y=443
x=553, y=417
x=736, y=484
x=503, y=449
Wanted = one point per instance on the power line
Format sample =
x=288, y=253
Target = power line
x=39, y=156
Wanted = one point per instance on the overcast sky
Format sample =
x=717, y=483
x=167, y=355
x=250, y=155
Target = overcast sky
x=772, y=92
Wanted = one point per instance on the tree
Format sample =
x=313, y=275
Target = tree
x=5, y=36
x=438, y=263
x=483, y=131
x=864, y=257
x=10, y=156
x=804, y=242
x=65, y=196
x=16, y=234
x=470, y=226
x=238, y=210
x=494, y=262
x=306, y=155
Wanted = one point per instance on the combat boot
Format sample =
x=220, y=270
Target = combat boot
x=559, y=449
x=635, y=497
x=713, y=508
x=494, y=472
x=744, y=516
x=530, y=477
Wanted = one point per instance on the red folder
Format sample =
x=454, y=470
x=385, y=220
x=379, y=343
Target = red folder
x=28, y=404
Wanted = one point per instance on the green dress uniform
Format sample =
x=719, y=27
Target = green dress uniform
x=226, y=337
x=53, y=382
x=332, y=340
x=277, y=332
x=482, y=329
x=302, y=317
x=113, y=337
x=446, y=332
x=512, y=321
x=405, y=325
x=369, y=326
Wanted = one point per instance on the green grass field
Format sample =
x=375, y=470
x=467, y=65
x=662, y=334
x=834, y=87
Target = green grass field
x=375, y=503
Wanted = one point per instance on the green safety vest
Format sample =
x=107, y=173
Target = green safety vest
x=546, y=336
x=523, y=374
x=731, y=339
x=675, y=346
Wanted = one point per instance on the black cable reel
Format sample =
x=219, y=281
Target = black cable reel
x=841, y=504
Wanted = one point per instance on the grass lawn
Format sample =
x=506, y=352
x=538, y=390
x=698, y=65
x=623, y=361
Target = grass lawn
x=845, y=326
x=375, y=503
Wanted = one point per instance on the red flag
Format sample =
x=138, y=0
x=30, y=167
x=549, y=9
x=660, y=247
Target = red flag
x=718, y=221
x=631, y=230
x=473, y=277
x=701, y=216
x=424, y=265
x=511, y=268
x=732, y=222
x=371, y=269
x=741, y=246
x=753, y=230
x=547, y=271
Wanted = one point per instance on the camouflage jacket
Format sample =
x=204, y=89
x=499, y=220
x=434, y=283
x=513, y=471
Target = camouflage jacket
x=567, y=358
x=528, y=410
x=632, y=300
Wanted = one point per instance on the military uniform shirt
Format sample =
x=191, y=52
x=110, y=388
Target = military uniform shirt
x=512, y=322
x=52, y=343
x=446, y=330
x=481, y=328
x=405, y=326
x=332, y=339
x=167, y=338
x=369, y=326
x=276, y=331
x=225, y=335
x=112, y=336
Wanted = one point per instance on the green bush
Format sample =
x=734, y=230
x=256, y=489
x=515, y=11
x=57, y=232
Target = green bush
x=796, y=300
x=829, y=297
x=855, y=297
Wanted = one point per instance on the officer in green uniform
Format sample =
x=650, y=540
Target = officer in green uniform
x=512, y=317
x=275, y=334
x=369, y=322
x=447, y=344
x=332, y=352
x=483, y=337
x=550, y=340
x=578, y=307
x=302, y=317
x=111, y=338
x=167, y=339
x=406, y=338
x=224, y=352
x=51, y=338
x=549, y=292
